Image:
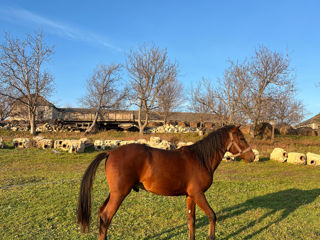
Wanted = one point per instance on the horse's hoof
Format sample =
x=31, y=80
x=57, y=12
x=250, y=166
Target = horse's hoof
x=211, y=238
x=102, y=237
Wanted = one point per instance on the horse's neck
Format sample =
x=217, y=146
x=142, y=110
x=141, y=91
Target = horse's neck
x=218, y=157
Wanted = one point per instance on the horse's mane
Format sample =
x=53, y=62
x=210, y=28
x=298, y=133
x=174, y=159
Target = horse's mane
x=212, y=146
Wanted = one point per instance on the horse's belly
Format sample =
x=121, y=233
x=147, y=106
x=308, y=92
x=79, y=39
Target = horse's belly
x=165, y=188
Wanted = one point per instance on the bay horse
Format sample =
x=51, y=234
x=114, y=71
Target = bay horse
x=186, y=171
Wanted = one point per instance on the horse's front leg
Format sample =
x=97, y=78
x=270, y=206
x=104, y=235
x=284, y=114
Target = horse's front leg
x=191, y=210
x=201, y=201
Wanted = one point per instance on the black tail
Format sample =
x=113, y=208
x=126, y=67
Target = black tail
x=84, y=202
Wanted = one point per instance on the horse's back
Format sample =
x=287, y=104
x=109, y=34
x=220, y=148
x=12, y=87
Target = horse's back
x=129, y=157
x=139, y=158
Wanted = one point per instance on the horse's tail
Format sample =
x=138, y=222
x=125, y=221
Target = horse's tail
x=84, y=202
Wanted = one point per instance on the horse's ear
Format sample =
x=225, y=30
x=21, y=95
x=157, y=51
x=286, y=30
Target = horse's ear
x=236, y=128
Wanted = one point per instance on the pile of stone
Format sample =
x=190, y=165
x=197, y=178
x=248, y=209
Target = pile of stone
x=71, y=146
x=46, y=128
x=172, y=129
x=5, y=127
x=15, y=126
x=23, y=126
x=155, y=142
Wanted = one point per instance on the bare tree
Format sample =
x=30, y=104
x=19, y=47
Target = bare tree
x=204, y=100
x=231, y=92
x=103, y=91
x=5, y=108
x=262, y=89
x=271, y=76
x=287, y=110
x=149, y=69
x=224, y=98
x=170, y=97
x=22, y=77
x=199, y=103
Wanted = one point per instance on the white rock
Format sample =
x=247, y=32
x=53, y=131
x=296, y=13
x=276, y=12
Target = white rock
x=99, y=145
x=172, y=129
x=114, y=143
x=228, y=157
x=182, y=144
x=279, y=154
x=71, y=146
x=127, y=142
x=155, y=140
x=165, y=145
x=76, y=146
x=142, y=141
x=313, y=159
x=43, y=142
x=257, y=155
x=296, y=158
x=62, y=144
x=22, y=142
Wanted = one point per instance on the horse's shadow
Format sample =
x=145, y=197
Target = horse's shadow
x=281, y=203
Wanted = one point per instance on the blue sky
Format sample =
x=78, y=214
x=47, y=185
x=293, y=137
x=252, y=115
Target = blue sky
x=200, y=35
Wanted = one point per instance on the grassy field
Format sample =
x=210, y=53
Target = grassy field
x=264, y=200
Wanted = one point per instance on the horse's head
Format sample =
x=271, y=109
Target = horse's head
x=238, y=145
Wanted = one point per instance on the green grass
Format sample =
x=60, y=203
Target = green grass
x=264, y=200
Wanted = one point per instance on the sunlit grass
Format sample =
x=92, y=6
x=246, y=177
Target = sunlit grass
x=265, y=200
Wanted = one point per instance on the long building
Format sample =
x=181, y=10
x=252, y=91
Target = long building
x=47, y=111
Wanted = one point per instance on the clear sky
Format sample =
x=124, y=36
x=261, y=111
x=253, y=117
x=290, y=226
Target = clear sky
x=200, y=35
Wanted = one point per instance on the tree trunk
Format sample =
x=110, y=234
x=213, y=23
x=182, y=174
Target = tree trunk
x=165, y=119
x=93, y=127
x=32, y=120
x=142, y=126
x=230, y=119
x=139, y=120
x=254, y=126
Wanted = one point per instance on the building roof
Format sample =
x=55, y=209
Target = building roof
x=41, y=101
x=314, y=119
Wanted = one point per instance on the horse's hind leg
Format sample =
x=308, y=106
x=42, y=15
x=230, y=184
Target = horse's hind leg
x=101, y=209
x=107, y=211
